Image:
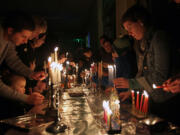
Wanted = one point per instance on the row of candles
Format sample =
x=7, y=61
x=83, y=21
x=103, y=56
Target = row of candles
x=142, y=103
x=111, y=71
x=109, y=111
x=55, y=68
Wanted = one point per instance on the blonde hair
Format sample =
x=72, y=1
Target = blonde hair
x=12, y=79
x=40, y=22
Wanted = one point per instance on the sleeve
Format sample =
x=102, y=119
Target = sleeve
x=15, y=63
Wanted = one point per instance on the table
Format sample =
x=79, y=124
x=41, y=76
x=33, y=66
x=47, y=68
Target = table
x=83, y=116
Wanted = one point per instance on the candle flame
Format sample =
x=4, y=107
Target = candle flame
x=60, y=67
x=66, y=54
x=92, y=64
x=117, y=102
x=146, y=94
x=67, y=62
x=154, y=86
x=49, y=59
x=110, y=66
x=137, y=92
x=105, y=104
x=109, y=111
x=56, y=49
x=132, y=91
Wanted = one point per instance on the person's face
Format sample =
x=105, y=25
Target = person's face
x=19, y=86
x=39, y=42
x=135, y=29
x=19, y=38
x=107, y=47
x=37, y=32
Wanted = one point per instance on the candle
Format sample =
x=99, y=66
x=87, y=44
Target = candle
x=133, y=99
x=157, y=87
x=145, y=107
x=110, y=74
x=66, y=54
x=142, y=97
x=59, y=72
x=105, y=106
x=52, y=57
x=55, y=54
x=137, y=100
x=117, y=106
x=114, y=71
x=109, y=113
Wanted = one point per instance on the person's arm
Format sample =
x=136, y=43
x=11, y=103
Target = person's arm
x=14, y=62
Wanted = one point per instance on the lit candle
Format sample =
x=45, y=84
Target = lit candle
x=55, y=54
x=59, y=72
x=142, y=97
x=133, y=98
x=105, y=106
x=145, y=106
x=66, y=54
x=157, y=87
x=109, y=113
x=137, y=100
x=117, y=106
x=110, y=74
x=114, y=71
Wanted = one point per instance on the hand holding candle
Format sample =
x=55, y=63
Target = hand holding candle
x=157, y=87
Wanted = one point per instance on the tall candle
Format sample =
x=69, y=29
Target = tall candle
x=114, y=71
x=137, y=100
x=146, y=101
x=109, y=113
x=105, y=106
x=133, y=98
x=55, y=54
x=142, y=97
x=110, y=74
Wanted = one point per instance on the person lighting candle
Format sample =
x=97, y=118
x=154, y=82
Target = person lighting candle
x=153, y=49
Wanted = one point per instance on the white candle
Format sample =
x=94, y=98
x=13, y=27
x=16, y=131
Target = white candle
x=55, y=54
x=110, y=74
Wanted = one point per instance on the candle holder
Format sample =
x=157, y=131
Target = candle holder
x=140, y=108
x=57, y=126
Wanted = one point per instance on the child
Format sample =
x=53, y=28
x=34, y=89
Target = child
x=11, y=108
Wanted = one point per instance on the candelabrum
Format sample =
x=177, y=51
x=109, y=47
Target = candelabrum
x=54, y=111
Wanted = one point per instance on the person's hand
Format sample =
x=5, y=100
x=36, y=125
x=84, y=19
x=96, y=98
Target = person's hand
x=40, y=87
x=108, y=90
x=124, y=95
x=73, y=64
x=38, y=109
x=121, y=83
x=115, y=55
x=38, y=75
x=32, y=65
x=172, y=85
x=35, y=98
